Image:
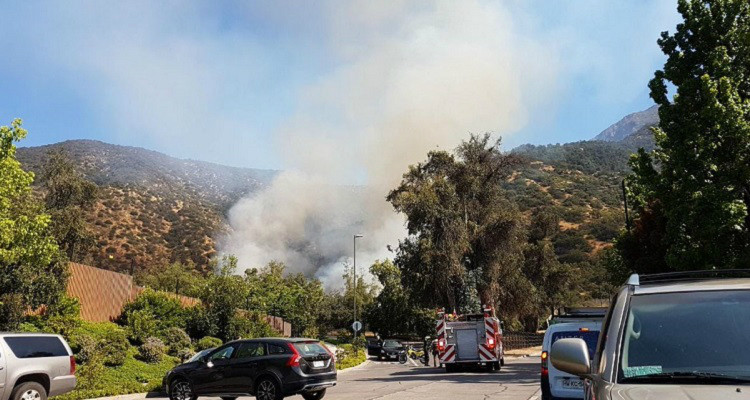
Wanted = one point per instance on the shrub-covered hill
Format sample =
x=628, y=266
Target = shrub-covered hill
x=151, y=208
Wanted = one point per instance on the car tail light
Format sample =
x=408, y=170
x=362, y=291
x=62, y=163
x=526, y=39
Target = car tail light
x=72, y=365
x=296, y=358
x=583, y=329
x=441, y=345
x=490, y=343
x=545, y=356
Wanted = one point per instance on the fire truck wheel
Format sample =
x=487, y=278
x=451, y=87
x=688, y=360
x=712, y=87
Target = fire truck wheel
x=502, y=362
x=450, y=368
x=496, y=365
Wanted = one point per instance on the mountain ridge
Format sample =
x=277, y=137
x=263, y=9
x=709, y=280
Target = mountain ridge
x=629, y=125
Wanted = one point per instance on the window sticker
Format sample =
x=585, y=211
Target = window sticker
x=642, y=370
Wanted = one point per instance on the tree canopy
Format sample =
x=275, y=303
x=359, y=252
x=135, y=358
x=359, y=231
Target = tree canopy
x=692, y=193
x=32, y=271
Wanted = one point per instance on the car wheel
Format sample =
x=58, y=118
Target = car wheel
x=29, y=391
x=317, y=395
x=181, y=390
x=268, y=389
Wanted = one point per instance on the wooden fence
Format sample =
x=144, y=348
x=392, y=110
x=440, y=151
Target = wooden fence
x=103, y=294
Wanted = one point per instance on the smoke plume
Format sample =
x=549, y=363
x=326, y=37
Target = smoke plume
x=410, y=78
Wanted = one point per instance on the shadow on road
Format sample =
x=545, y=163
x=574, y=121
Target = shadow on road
x=517, y=373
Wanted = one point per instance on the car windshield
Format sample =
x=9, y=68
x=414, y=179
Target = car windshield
x=199, y=354
x=391, y=344
x=689, y=336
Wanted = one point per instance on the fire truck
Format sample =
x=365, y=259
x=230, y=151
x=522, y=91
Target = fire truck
x=475, y=339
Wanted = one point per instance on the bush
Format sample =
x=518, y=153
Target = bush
x=114, y=347
x=184, y=354
x=141, y=325
x=152, y=312
x=199, y=322
x=152, y=350
x=348, y=356
x=208, y=342
x=85, y=347
x=176, y=339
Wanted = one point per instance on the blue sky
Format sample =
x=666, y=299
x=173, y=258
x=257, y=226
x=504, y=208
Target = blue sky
x=324, y=84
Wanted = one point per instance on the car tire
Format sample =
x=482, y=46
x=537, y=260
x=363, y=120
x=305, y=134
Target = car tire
x=268, y=389
x=180, y=389
x=317, y=395
x=29, y=390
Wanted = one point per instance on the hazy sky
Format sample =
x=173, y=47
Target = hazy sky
x=223, y=81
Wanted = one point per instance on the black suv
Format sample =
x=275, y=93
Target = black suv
x=269, y=369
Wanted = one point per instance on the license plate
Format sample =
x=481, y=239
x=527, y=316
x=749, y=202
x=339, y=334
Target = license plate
x=319, y=364
x=572, y=384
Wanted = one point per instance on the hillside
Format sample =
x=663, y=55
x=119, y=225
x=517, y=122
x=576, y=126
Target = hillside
x=152, y=208
x=629, y=125
x=112, y=165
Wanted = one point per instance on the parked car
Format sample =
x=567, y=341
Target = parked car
x=391, y=350
x=557, y=384
x=269, y=369
x=668, y=336
x=35, y=366
x=373, y=347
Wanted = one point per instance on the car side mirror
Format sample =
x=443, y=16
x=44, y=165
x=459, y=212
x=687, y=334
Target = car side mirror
x=571, y=356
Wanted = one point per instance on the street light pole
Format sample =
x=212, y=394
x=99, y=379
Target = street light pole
x=355, y=280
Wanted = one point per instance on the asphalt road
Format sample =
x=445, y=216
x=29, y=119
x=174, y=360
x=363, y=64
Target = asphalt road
x=517, y=380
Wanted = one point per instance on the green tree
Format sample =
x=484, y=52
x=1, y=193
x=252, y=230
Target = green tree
x=293, y=297
x=692, y=193
x=222, y=297
x=465, y=236
x=393, y=312
x=177, y=278
x=32, y=271
x=68, y=198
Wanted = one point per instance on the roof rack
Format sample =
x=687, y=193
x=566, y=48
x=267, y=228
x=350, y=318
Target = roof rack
x=576, y=313
x=683, y=276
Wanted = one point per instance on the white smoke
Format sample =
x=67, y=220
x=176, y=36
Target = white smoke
x=411, y=77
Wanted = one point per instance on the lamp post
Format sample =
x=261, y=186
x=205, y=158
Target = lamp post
x=355, y=280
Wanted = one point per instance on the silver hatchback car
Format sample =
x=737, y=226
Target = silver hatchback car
x=34, y=366
x=669, y=336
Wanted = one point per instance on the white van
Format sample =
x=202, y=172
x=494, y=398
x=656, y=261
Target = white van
x=555, y=383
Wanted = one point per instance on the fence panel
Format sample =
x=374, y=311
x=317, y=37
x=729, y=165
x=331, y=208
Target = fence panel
x=522, y=340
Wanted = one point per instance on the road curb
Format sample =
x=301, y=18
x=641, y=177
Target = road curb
x=132, y=396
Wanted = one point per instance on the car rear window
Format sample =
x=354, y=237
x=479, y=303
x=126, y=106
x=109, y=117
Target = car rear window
x=36, y=346
x=590, y=337
x=310, y=348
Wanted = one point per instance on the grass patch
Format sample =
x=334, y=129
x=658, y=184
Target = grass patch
x=134, y=376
